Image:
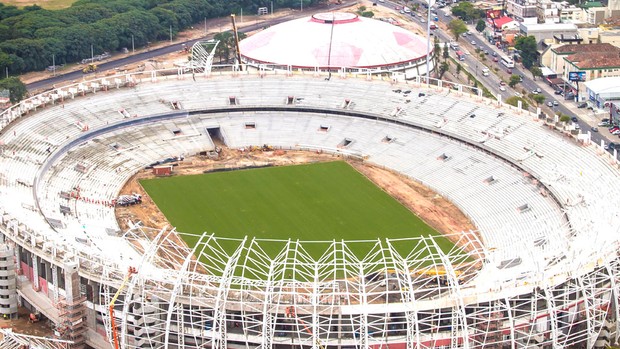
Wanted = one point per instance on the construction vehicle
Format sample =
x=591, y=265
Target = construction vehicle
x=91, y=68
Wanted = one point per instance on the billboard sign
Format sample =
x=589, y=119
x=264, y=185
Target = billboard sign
x=578, y=76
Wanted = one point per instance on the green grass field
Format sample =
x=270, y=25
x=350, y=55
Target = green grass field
x=316, y=202
x=46, y=4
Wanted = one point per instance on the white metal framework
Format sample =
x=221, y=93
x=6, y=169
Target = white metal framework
x=557, y=288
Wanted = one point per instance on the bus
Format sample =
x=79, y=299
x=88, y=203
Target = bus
x=460, y=55
x=509, y=63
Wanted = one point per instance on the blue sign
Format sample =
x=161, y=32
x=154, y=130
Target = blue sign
x=579, y=76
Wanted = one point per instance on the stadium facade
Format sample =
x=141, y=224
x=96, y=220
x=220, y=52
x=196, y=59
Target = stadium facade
x=542, y=271
x=335, y=41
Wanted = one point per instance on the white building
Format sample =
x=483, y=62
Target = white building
x=603, y=91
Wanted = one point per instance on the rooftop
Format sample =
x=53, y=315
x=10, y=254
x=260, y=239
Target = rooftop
x=591, y=4
x=604, y=85
x=571, y=49
x=549, y=27
x=593, y=60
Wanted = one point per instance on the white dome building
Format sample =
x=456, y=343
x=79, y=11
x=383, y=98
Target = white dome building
x=335, y=41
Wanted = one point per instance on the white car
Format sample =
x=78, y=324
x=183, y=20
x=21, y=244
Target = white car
x=502, y=88
x=407, y=10
x=473, y=42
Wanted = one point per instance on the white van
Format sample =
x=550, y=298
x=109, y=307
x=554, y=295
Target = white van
x=485, y=71
x=454, y=45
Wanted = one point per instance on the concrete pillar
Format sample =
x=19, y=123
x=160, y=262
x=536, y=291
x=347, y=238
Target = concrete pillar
x=72, y=282
x=35, y=272
x=8, y=291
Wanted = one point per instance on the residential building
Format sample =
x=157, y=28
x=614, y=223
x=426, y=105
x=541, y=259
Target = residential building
x=572, y=14
x=548, y=11
x=595, y=60
x=521, y=9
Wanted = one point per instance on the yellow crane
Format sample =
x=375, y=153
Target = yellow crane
x=236, y=36
x=130, y=272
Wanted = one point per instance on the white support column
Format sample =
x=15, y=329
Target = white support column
x=315, y=310
x=455, y=287
x=35, y=273
x=615, y=292
x=362, y=342
x=178, y=287
x=55, y=282
x=219, y=340
x=553, y=320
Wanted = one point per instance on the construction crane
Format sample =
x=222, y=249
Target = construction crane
x=130, y=272
x=236, y=36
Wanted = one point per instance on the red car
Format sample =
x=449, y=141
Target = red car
x=495, y=59
x=502, y=83
x=509, y=71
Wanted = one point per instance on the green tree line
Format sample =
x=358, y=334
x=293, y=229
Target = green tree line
x=31, y=36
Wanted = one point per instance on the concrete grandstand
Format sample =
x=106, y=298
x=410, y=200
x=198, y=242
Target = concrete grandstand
x=544, y=273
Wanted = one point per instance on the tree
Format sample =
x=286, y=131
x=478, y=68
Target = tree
x=467, y=12
x=458, y=68
x=227, y=44
x=514, y=101
x=527, y=46
x=536, y=71
x=457, y=27
x=16, y=88
x=481, y=25
x=538, y=99
x=443, y=68
x=445, y=53
x=514, y=80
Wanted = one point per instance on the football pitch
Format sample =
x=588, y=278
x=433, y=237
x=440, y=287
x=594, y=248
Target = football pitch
x=312, y=202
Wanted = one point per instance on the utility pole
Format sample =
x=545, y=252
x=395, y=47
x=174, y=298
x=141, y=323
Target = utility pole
x=53, y=65
x=301, y=5
x=92, y=54
x=171, y=34
x=133, y=47
x=271, y=7
x=205, y=25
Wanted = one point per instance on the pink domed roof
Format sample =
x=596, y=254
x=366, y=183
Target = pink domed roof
x=355, y=42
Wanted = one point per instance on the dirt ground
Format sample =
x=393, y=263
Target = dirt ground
x=23, y=326
x=432, y=208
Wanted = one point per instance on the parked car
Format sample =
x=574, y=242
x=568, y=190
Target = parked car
x=495, y=59
x=502, y=83
x=473, y=42
x=509, y=70
x=549, y=104
x=494, y=54
x=573, y=119
x=555, y=103
x=502, y=88
x=582, y=105
x=594, y=129
x=558, y=92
